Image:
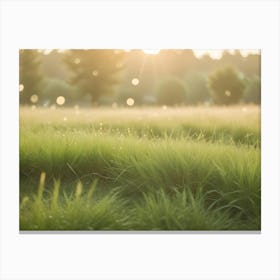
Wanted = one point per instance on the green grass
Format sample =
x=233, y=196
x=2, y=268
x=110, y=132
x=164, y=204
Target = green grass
x=140, y=169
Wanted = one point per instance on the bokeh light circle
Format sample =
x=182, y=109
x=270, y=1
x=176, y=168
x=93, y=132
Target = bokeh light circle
x=60, y=100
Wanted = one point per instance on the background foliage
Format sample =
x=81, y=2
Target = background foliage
x=107, y=77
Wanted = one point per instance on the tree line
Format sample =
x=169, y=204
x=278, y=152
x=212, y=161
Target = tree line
x=172, y=77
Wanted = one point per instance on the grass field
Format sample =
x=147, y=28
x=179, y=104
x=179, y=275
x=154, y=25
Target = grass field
x=196, y=168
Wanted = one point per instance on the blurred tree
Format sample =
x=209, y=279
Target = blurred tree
x=139, y=66
x=226, y=86
x=171, y=91
x=94, y=71
x=53, y=66
x=252, y=65
x=30, y=76
x=55, y=88
x=252, y=92
x=123, y=96
x=206, y=63
x=197, y=90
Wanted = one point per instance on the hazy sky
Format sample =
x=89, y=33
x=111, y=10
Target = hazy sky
x=214, y=53
x=218, y=53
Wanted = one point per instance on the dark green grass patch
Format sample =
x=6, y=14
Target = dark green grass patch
x=83, y=210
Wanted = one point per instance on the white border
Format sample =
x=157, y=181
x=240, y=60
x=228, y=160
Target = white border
x=155, y=24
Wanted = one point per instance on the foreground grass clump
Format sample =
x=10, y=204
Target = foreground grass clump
x=76, y=211
x=202, y=171
x=182, y=210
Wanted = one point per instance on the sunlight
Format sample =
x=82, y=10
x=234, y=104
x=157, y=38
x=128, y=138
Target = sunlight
x=60, y=100
x=130, y=101
x=228, y=93
x=77, y=60
x=21, y=87
x=95, y=73
x=135, y=81
x=34, y=98
x=151, y=51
